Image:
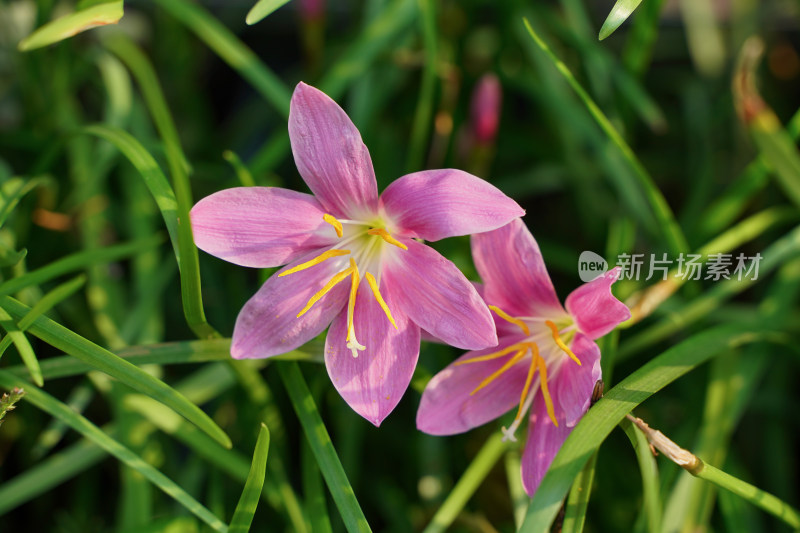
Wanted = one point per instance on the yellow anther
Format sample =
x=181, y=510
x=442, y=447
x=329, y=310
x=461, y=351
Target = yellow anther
x=560, y=343
x=508, y=364
x=330, y=219
x=508, y=318
x=322, y=292
x=383, y=234
x=374, y=286
x=352, y=342
x=317, y=260
x=528, y=381
x=490, y=356
x=548, y=401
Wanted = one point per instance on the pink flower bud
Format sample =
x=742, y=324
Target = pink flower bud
x=312, y=9
x=486, y=103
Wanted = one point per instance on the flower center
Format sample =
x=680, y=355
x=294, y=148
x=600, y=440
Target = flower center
x=537, y=363
x=366, y=250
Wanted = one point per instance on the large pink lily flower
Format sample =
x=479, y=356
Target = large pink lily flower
x=352, y=258
x=546, y=360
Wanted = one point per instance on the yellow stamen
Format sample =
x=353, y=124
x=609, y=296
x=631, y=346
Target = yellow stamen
x=560, y=343
x=508, y=318
x=528, y=381
x=317, y=260
x=328, y=286
x=374, y=286
x=383, y=234
x=352, y=342
x=490, y=356
x=545, y=391
x=516, y=357
x=330, y=219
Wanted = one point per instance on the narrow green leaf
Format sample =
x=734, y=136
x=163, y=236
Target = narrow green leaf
x=649, y=472
x=578, y=499
x=77, y=261
x=262, y=9
x=232, y=50
x=321, y=445
x=12, y=191
x=81, y=348
x=151, y=174
x=242, y=172
x=476, y=472
x=246, y=508
x=421, y=127
x=191, y=294
x=619, y=14
x=24, y=347
x=672, y=233
x=48, y=301
x=55, y=408
x=74, y=23
x=601, y=419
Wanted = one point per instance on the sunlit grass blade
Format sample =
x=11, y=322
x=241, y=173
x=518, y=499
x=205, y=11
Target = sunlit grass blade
x=619, y=14
x=321, y=445
x=48, y=301
x=672, y=234
x=238, y=55
x=242, y=172
x=49, y=473
x=73, y=23
x=601, y=419
x=774, y=143
x=55, y=408
x=246, y=508
x=151, y=174
x=188, y=260
x=26, y=353
x=649, y=471
x=262, y=9
x=81, y=348
x=77, y=261
x=476, y=472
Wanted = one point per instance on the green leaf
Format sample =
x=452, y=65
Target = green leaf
x=74, y=23
x=24, y=348
x=81, y=348
x=12, y=191
x=649, y=472
x=246, y=508
x=55, y=408
x=598, y=422
x=619, y=14
x=321, y=445
x=262, y=9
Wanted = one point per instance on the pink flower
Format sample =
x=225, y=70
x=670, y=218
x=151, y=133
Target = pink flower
x=546, y=361
x=353, y=258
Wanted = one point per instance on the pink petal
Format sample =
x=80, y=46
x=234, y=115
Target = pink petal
x=447, y=407
x=513, y=272
x=544, y=441
x=330, y=155
x=595, y=310
x=573, y=385
x=435, y=204
x=268, y=325
x=373, y=383
x=260, y=226
x=438, y=298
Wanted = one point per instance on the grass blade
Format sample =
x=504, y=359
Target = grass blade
x=422, y=116
x=476, y=472
x=619, y=14
x=601, y=419
x=24, y=348
x=672, y=234
x=262, y=9
x=8, y=401
x=321, y=445
x=649, y=470
x=83, y=349
x=74, y=23
x=55, y=408
x=246, y=508
x=12, y=191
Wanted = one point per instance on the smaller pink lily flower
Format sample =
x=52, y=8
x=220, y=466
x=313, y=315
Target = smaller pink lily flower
x=352, y=258
x=546, y=360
